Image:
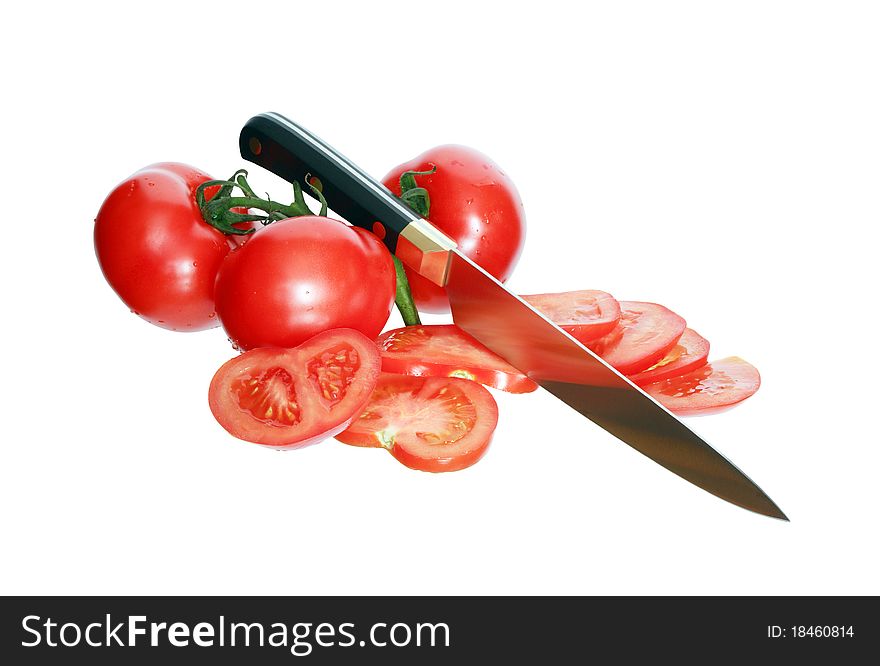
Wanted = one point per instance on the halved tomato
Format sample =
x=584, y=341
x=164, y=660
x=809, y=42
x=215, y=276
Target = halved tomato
x=587, y=314
x=707, y=390
x=644, y=335
x=688, y=354
x=290, y=398
x=433, y=424
x=447, y=351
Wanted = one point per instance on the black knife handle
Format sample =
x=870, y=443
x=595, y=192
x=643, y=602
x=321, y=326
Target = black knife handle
x=291, y=152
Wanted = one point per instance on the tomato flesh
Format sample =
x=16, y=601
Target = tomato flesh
x=447, y=351
x=290, y=398
x=433, y=424
x=707, y=390
x=644, y=335
x=586, y=314
x=332, y=372
x=688, y=354
x=269, y=397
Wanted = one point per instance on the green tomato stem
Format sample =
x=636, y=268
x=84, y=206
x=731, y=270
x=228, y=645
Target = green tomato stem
x=219, y=213
x=414, y=196
x=418, y=200
x=403, y=298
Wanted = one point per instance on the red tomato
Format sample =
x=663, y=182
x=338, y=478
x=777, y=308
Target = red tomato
x=301, y=276
x=473, y=202
x=155, y=250
x=688, y=354
x=587, y=314
x=644, y=335
x=447, y=351
x=433, y=424
x=290, y=398
x=709, y=389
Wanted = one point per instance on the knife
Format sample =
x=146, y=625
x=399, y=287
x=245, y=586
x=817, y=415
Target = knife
x=499, y=319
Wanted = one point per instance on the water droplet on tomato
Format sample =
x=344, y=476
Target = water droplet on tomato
x=482, y=238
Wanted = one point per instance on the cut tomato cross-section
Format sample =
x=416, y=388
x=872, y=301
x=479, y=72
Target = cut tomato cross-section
x=290, y=398
x=433, y=424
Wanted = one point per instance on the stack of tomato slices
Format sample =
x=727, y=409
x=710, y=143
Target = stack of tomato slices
x=653, y=347
x=418, y=391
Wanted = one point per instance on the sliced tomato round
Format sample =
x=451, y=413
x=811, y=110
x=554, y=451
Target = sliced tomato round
x=709, y=389
x=447, y=351
x=644, y=335
x=433, y=424
x=689, y=353
x=587, y=314
x=290, y=398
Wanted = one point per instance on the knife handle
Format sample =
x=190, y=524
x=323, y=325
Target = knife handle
x=295, y=154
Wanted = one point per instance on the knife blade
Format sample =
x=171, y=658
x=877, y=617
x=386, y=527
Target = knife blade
x=499, y=319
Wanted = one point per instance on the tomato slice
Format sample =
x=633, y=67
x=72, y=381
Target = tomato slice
x=587, y=314
x=688, y=354
x=709, y=389
x=447, y=351
x=433, y=424
x=290, y=398
x=644, y=335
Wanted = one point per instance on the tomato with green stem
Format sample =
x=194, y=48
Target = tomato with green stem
x=155, y=250
x=303, y=275
x=469, y=198
x=235, y=214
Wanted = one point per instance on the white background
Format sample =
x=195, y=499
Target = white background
x=722, y=159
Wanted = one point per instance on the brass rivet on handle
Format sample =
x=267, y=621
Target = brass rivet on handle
x=255, y=145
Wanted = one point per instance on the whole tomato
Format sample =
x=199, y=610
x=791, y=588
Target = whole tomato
x=473, y=202
x=155, y=250
x=301, y=276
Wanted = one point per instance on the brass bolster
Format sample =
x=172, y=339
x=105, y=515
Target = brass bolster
x=426, y=250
